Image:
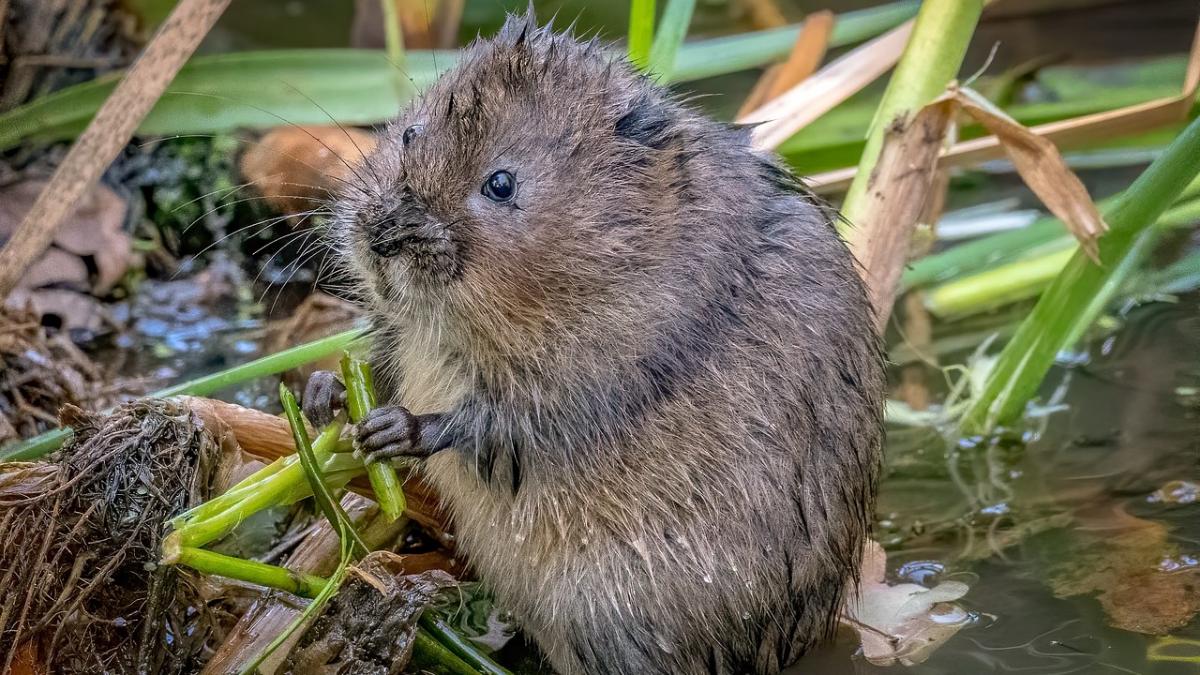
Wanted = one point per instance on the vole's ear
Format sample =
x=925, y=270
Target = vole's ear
x=646, y=123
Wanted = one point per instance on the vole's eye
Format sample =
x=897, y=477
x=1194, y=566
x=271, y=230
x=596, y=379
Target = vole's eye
x=410, y=133
x=499, y=186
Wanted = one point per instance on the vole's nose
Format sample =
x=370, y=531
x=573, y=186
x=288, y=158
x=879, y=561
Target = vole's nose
x=388, y=234
x=386, y=247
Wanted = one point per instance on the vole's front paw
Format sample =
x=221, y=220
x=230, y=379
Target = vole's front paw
x=387, y=432
x=324, y=397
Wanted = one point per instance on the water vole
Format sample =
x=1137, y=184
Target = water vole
x=635, y=353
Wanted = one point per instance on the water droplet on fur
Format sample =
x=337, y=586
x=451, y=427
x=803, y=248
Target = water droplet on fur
x=746, y=615
x=519, y=537
x=708, y=578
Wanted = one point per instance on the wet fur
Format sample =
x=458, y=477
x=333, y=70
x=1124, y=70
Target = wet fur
x=662, y=381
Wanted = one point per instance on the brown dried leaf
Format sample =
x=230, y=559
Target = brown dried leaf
x=903, y=623
x=58, y=306
x=1041, y=167
x=1138, y=118
x=807, y=53
x=58, y=268
x=95, y=230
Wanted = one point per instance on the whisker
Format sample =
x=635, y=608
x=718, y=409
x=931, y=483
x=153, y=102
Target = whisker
x=268, y=223
x=363, y=184
x=267, y=262
x=345, y=133
x=248, y=141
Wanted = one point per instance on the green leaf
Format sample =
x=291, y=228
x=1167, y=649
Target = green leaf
x=247, y=89
x=244, y=90
x=718, y=56
x=641, y=32
x=669, y=37
x=1083, y=289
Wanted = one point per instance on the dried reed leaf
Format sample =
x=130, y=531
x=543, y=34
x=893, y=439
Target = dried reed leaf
x=807, y=54
x=802, y=104
x=1042, y=168
x=1074, y=132
x=759, y=94
x=804, y=59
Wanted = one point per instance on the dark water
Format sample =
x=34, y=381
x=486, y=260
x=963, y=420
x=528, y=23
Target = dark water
x=1015, y=516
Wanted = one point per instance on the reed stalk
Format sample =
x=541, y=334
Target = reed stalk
x=1080, y=292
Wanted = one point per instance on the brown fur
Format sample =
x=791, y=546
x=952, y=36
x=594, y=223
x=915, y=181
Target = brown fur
x=658, y=362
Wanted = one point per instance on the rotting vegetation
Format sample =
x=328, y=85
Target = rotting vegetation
x=97, y=596
x=83, y=588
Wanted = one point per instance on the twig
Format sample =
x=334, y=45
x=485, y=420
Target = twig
x=108, y=132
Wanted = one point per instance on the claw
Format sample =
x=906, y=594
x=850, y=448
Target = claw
x=324, y=397
x=387, y=432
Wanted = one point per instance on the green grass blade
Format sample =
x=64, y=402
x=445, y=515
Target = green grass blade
x=267, y=365
x=261, y=89
x=641, y=32
x=1005, y=247
x=1026, y=278
x=1071, y=303
x=669, y=37
x=225, y=92
x=325, y=500
x=460, y=646
x=312, y=610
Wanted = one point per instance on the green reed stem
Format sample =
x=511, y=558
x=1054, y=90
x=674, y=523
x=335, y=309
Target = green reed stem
x=215, y=519
x=1083, y=288
x=250, y=571
x=311, y=464
x=930, y=61
x=641, y=32
x=669, y=37
x=360, y=400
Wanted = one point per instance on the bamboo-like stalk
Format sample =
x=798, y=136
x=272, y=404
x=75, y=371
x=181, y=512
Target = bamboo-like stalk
x=1083, y=288
x=930, y=61
x=273, y=364
x=250, y=571
x=360, y=400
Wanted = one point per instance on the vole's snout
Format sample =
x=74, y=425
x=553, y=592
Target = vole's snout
x=386, y=234
x=386, y=239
